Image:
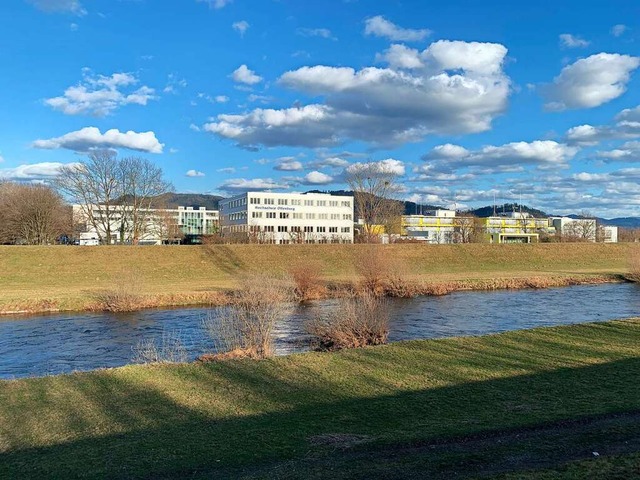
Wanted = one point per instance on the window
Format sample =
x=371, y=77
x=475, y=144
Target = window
x=308, y=203
x=283, y=201
x=346, y=203
x=256, y=214
x=322, y=203
x=335, y=216
x=310, y=216
x=269, y=201
x=321, y=229
x=296, y=202
x=271, y=214
x=333, y=203
x=333, y=229
x=323, y=216
x=308, y=229
x=346, y=216
x=255, y=201
x=346, y=229
x=268, y=228
x=296, y=229
x=284, y=215
x=282, y=228
x=297, y=216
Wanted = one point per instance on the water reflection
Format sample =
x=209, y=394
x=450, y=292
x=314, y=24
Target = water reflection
x=49, y=344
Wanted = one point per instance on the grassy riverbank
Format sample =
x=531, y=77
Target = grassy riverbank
x=70, y=278
x=452, y=408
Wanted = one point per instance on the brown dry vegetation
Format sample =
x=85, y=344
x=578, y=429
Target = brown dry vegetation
x=358, y=321
x=307, y=277
x=48, y=278
x=634, y=267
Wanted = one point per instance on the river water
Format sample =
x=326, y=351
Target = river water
x=61, y=343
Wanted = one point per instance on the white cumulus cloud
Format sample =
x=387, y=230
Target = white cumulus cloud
x=381, y=27
x=389, y=166
x=317, y=178
x=241, y=27
x=216, y=4
x=590, y=81
x=246, y=185
x=34, y=171
x=573, y=41
x=618, y=30
x=60, y=6
x=89, y=138
x=455, y=88
x=100, y=95
x=316, y=32
x=288, y=164
x=243, y=74
x=194, y=173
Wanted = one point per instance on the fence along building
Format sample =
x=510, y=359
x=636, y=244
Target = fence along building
x=282, y=218
x=157, y=225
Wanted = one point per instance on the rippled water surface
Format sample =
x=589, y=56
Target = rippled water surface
x=50, y=344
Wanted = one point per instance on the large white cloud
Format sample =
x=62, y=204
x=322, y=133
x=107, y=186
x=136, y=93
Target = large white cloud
x=381, y=27
x=59, y=6
x=590, y=81
x=509, y=157
x=389, y=166
x=89, y=138
x=34, y=171
x=627, y=126
x=243, y=74
x=236, y=185
x=101, y=95
x=455, y=88
x=317, y=178
x=288, y=164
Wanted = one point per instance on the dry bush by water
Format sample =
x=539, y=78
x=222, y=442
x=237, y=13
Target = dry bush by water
x=306, y=276
x=124, y=296
x=245, y=327
x=357, y=322
x=169, y=349
x=381, y=274
x=634, y=268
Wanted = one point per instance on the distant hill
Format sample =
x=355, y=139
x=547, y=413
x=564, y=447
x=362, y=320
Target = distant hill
x=175, y=200
x=487, y=211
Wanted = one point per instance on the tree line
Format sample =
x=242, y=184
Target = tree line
x=125, y=189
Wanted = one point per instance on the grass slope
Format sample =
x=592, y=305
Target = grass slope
x=450, y=408
x=69, y=277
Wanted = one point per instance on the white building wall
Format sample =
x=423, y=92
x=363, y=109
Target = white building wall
x=610, y=234
x=288, y=217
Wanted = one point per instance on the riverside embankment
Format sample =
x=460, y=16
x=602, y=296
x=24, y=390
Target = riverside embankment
x=65, y=278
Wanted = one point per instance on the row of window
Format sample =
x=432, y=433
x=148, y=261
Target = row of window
x=299, y=202
x=300, y=216
x=287, y=229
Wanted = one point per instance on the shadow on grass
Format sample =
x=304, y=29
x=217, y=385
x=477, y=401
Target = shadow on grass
x=151, y=435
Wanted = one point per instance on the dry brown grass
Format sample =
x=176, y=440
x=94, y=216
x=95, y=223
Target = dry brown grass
x=247, y=323
x=307, y=277
x=124, y=296
x=358, y=322
x=634, y=267
x=168, y=349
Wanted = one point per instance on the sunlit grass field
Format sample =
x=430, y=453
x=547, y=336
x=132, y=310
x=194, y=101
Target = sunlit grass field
x=66, y=277
x=533, y=400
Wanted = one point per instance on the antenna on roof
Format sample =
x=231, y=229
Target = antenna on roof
x=494, y=203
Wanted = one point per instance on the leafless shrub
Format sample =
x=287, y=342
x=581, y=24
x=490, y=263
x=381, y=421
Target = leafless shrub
x=381, y=274
x=634, y=268
x=357, y=322
x=123, y=297
x=247, y=324
x=307, y=280
x=169, y=349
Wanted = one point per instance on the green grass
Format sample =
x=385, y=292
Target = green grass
x=452, y=408
x=62, y=277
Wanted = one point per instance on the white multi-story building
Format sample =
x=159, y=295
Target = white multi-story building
x=153, y=226
x=438, y=226
x=584, y=229
x=282, y=218
x=609, y=234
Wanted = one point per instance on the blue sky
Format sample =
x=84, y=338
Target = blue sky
x=463, y=101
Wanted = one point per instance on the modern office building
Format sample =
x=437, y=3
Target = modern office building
x=609, y=234
x=515, y=227
x=283, y=218
x=437, y=226
x=153, y=227
x=577, y=229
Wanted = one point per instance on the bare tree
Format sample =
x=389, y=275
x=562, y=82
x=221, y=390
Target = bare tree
x=114, y=195
x=374, y=188
x=142, y=183
x=583, y=229
x=32, y=214
x=468, y=229
x=96, y=185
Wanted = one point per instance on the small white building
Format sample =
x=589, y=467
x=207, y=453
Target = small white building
x=581, y=229
x=609, y=234
x=282, y=218
x=154, y=225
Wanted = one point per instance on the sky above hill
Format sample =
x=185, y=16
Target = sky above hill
x=537, y=102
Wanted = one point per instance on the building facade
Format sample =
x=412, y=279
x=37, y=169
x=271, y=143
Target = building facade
x=577, y=229
x=153, y=226
x=283, y=218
